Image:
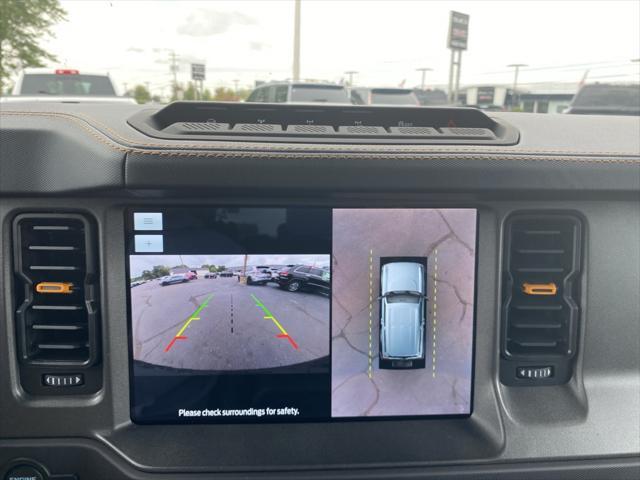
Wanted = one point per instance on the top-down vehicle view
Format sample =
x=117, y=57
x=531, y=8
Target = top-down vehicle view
x=402, y=313
x=303, y=239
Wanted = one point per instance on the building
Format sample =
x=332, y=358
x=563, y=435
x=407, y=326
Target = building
x=534, y=98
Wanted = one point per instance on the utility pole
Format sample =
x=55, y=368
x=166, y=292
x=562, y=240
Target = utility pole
x=424, y=70
x=351, y=73
x=296, y=42
x=454, y=75
x=174, y=70
x=517, y=67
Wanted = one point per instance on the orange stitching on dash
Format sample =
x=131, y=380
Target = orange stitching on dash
x=284, y=146
x=360, y=153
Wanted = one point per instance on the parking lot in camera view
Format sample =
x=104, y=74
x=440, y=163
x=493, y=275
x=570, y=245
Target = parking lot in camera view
x=360, y=237
x=221, y=324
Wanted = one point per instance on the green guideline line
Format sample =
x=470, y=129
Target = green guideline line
x=192, y=317
x=202, y=305
x=261, y=305
x=270, y=316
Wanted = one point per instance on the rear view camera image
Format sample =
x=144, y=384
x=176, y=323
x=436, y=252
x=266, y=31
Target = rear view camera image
x=230, y=312
x=402, y=311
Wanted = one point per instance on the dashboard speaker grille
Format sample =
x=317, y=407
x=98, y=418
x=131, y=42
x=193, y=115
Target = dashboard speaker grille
x=55, y=265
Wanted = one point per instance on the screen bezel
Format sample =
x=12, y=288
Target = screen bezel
x=128, y=235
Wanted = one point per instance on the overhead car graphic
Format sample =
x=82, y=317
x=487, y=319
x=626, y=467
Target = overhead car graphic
x=402, y=312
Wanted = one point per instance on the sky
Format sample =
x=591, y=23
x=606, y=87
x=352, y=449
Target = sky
x=385, y=41
x=138, y=263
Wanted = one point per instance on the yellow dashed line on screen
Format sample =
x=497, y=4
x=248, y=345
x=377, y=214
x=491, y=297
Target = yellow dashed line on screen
x=370, y=311
x=435, y=311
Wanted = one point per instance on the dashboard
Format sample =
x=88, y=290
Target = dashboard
x=211, y=290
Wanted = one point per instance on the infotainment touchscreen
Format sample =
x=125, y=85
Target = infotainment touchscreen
x=242, y=314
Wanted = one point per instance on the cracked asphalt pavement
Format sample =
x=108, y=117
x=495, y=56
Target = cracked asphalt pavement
x=230, y=332
x=359, y=387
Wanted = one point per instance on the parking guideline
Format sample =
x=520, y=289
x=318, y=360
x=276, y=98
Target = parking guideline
x=370, y=370
x=192, y=317
x=270, y=316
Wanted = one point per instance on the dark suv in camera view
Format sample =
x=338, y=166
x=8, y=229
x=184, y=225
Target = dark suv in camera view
x=307, y=278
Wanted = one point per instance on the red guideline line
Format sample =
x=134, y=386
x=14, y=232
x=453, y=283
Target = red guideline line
x=174, y=341
x=291, y=341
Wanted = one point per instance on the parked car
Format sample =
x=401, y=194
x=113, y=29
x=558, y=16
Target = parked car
x=606, y=99
x=258, y=275
x=402, y=312
x=211, y=275
x=307, y=278
x=64, y=85
x=299, y=92
x=384, y=96
x=172, y=279
x=486, y=108
x=431, y=98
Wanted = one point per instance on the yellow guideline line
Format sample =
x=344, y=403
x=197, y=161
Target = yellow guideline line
x=194, y=316
x=269, y=315
x=370, y=310
x=435, y=312
x=278, y=325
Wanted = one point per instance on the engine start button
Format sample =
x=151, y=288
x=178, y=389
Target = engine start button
x=24, y=472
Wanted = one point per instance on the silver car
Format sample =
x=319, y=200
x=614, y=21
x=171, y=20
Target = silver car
x=402, y=313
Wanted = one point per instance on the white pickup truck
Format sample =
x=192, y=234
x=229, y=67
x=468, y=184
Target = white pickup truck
x=64, y=85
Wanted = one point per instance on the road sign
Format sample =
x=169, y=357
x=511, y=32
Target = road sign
x=197, y=71
x=458, y=31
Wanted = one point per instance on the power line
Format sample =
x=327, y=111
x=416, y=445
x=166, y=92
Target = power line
x=555, y=67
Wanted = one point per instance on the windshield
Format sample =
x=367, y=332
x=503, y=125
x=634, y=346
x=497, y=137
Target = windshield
x=74, y=85
x=493, y=55
x=304, y=93
x=403, y=298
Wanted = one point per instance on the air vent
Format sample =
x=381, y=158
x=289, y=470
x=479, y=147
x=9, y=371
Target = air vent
x=541, y=297
x=56, y=292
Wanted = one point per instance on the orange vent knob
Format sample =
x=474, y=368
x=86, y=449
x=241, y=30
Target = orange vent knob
x=54, y=287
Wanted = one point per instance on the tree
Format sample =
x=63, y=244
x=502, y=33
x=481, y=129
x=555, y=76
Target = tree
x=190, y=93
x=141, y=94
x=157, y=272
x=224, y=94
x=23, y=23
